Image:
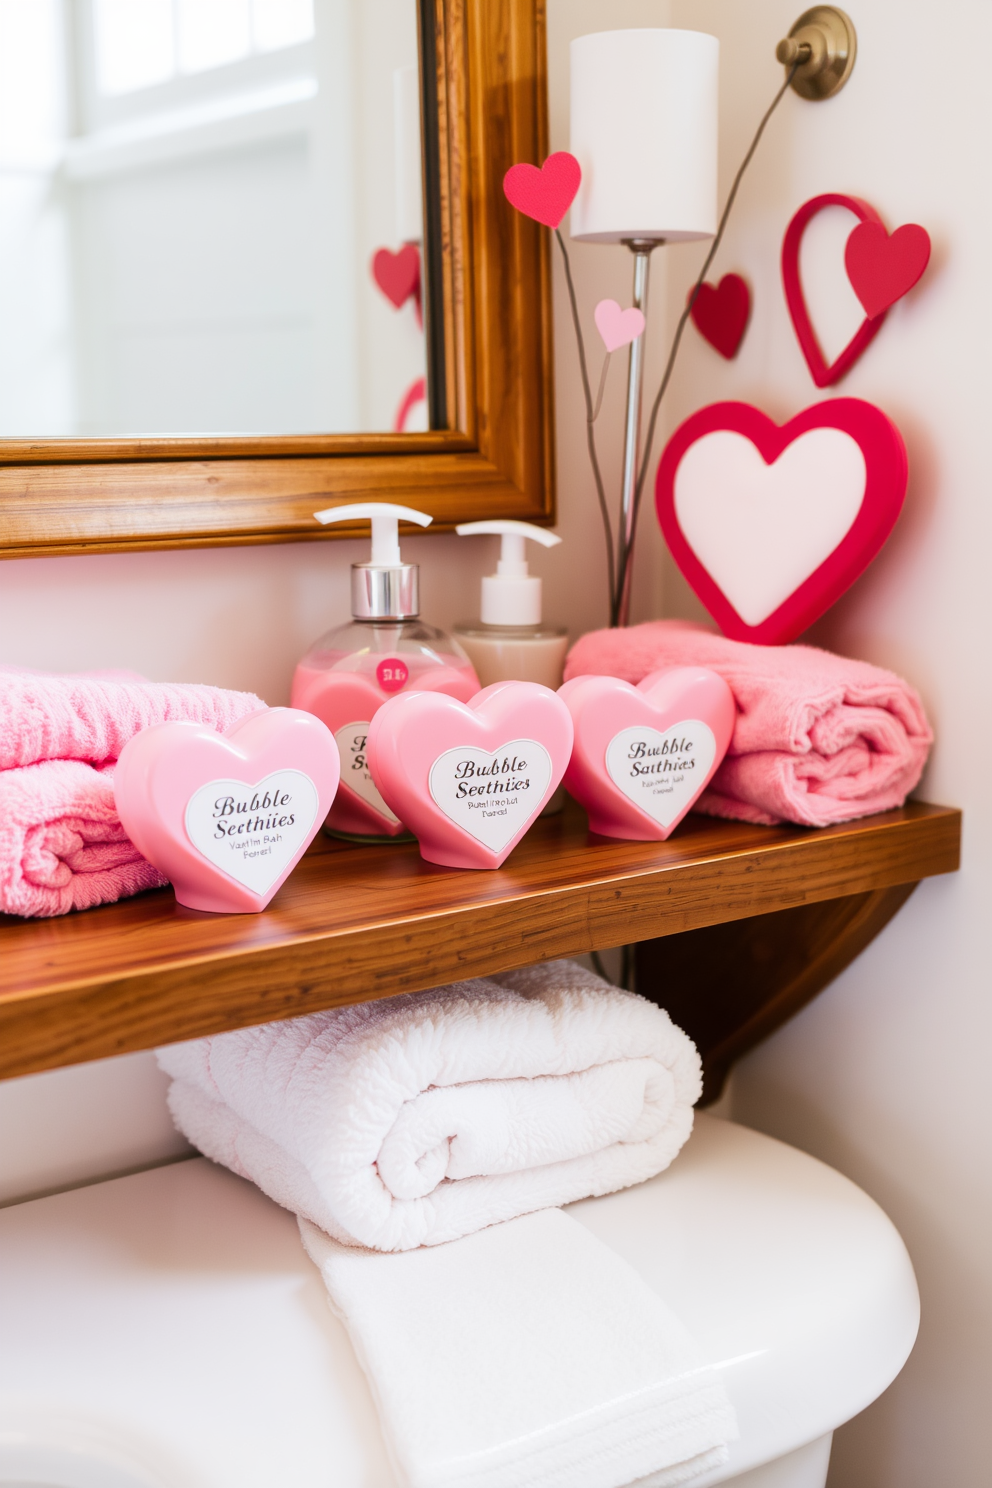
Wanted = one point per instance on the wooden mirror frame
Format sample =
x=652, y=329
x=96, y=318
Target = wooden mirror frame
x=488, y=317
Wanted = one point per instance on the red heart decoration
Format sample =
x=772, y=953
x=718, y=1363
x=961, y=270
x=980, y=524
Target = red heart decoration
x=771, y=525
x=398, y=274
x=882, y=268
x=544, y=194
x=823, y=375
x=720, y=313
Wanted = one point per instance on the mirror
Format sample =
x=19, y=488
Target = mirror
x=321, y=362
x=211, y=218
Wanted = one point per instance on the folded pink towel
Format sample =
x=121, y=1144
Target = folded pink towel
x=62, y=845
x=818, y=738
x=92, y=717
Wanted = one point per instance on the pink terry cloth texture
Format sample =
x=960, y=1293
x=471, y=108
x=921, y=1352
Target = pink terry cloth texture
x=818, y=739
x=62, y=846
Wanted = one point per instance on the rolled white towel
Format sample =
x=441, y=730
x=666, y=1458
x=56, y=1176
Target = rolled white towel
x=417, y=1119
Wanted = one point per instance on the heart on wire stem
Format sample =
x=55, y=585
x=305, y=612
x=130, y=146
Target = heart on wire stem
x=618, y=327
x=544, y=194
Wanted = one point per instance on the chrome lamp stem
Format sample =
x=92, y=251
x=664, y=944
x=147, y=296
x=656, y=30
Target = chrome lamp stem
x=641, y=248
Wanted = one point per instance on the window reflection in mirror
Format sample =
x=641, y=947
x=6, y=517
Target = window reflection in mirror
x=210, y=217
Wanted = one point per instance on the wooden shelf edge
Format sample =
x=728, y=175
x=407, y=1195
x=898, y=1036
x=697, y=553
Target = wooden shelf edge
x=567, y=897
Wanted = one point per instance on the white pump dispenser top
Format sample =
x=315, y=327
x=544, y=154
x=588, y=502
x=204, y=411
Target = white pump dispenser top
x=512, y=595
x=385, y=588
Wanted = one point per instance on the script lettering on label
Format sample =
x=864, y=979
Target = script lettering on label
x=355, y=773
x=661, y=772
x=251, y=832
x=492, y=796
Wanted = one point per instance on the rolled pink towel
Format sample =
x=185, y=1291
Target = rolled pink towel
x=91, y=717
x=818, y=738
x=62, y=845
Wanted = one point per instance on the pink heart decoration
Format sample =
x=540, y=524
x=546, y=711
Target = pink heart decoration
x=720, y=313
x=771, y=525
x=644, y=755
x=882, y=268
x=398, y=274
x=470, y=778
x=545, y=194
x=618, y=327
x=823, y=375
x=227, y=816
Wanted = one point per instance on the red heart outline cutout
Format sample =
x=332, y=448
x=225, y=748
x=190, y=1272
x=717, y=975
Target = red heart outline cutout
x=886, y=475
x=398, y=274
x=720, y=313
x=883, y=267
x=823, y=375
x=546, y=194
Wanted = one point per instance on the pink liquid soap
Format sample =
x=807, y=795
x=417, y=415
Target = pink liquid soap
x=346, y=677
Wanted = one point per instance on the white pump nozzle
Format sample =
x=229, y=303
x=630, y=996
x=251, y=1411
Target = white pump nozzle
x=512, y=595
x=385, y=519
x=385, y=588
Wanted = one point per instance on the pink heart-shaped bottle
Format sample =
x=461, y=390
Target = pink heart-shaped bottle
x=470, y=778
x=227, y=816
x=644, y=755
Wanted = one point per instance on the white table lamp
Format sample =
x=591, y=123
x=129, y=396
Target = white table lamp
x=644, y=131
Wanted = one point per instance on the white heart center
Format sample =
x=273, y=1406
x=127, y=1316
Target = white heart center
x=251, y=832
x=760, y=530
x=661, y=773
x=492, y=796
x=352, y=743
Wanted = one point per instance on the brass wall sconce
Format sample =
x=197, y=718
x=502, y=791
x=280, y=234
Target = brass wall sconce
x=824, y=43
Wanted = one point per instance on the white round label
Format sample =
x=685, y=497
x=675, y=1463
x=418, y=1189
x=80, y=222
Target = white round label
x=662, y=773
x=251, y=832
x=352, y=742
x=492, y=796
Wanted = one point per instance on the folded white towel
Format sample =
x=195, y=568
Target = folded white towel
x=529, y=1355
x=416, y=1119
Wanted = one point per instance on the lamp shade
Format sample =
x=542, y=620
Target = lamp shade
x=644, y=130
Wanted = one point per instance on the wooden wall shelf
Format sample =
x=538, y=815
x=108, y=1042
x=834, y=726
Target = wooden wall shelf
x=359, y=922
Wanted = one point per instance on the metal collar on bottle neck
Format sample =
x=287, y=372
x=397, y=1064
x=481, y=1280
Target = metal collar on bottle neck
x=379, y=593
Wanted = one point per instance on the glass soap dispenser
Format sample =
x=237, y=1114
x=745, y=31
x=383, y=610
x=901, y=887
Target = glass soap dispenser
x=349, y=673
x=510, y=642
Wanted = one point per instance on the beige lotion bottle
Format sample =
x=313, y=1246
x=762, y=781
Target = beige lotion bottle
x=510, y=643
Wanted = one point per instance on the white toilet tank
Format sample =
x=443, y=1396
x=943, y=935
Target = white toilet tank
x=167, y=1330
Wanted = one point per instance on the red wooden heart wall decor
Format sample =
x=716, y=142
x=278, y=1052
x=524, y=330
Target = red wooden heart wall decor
x=720, y=313
x=823, y=374
x=881, y=270
x=770, y=525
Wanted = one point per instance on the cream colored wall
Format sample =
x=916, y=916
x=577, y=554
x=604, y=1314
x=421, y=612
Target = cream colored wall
x=885, y=1076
